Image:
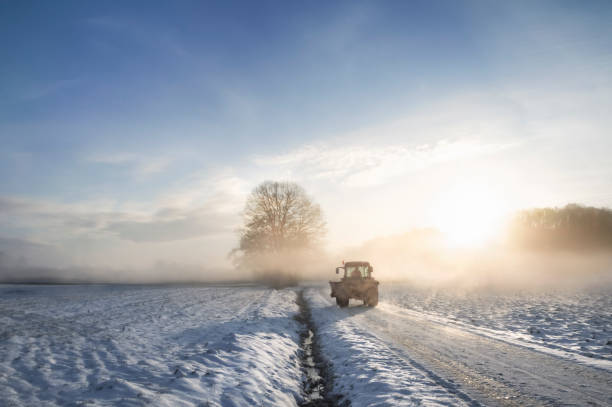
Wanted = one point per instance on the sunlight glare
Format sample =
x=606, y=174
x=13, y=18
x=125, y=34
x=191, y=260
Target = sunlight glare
x=469, y=215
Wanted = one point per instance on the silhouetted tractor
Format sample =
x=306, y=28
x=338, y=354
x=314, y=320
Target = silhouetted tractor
x=357, y=283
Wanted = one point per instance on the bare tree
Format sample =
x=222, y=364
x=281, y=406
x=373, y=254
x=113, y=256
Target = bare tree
x=279, y=218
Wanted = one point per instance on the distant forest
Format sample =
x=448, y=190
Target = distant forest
x=573, y=227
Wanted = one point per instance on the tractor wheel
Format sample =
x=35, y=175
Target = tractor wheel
x=372, y=298
x=342, y=302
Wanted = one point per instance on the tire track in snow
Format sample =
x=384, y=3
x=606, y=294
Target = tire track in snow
x=494, y=372
x=370, y=371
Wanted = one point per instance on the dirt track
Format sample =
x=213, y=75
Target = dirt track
x=480, y=369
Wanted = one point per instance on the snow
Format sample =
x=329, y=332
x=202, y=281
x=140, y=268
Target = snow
x=367, y=370
x=390, y=355
x=240, y=346
x=571, y=324
x=137, y=345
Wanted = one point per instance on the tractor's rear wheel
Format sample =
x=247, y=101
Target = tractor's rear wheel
x=342, y=302
x=372, y=297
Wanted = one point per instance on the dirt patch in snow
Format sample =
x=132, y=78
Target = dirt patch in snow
x=318, y=378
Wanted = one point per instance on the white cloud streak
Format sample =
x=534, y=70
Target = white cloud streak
x=173, y=227
x=141, y=165
x=368, y=165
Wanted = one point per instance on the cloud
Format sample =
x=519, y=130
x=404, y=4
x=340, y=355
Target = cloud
x=368, y=165
x=51, y=220
x=141, y=165
x=43, y=214
x=464, y=127
x=182, y=225
x=201, y=207
x=223, y=189
x=192, y=222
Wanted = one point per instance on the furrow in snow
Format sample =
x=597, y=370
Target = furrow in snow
x=131, y=345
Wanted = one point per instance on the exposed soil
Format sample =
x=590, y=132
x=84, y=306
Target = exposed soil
x=318, y=381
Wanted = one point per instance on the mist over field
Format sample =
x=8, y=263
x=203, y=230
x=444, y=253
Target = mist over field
x=411, y=258
x=419, y=257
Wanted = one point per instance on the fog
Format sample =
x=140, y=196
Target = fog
x=422, y=259
x=418, y=257
x=161, y=273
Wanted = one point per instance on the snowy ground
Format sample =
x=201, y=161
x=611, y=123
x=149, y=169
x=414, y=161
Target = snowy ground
x=368, y=370
x=241, y=346
x=392, y=355
x=130, y=345
x=577, y=323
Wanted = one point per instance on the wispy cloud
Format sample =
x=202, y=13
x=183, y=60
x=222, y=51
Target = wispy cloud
x=140, y=165
x=181, y=225
x=367, y=165
x=225, y=190
x=205, y=208
x=191, y=222
x=464, y=127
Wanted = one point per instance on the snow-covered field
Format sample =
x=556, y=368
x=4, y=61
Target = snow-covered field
x=130, y=345
x=577, y=323
x=394, y=355
x=242, y=346
x=369, y=371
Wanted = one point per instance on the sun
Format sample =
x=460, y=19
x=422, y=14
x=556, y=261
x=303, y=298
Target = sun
x=469, y=214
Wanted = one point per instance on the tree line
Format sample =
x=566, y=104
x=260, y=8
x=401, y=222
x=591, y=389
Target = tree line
x=573, y=227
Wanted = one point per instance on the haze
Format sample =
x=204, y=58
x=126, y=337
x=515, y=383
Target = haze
x=131, y=135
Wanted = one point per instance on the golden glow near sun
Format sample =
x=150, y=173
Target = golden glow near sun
x=469, y=214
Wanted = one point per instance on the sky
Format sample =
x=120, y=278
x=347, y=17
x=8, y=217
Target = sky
x=131, y=133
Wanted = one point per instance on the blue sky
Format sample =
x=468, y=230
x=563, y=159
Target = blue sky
x=132, y=132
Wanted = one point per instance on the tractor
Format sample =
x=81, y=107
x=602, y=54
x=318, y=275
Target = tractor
x=357, y=282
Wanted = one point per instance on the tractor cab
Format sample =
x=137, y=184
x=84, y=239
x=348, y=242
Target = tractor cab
x=356, y=270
